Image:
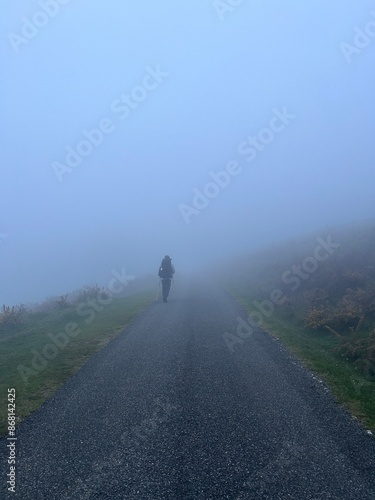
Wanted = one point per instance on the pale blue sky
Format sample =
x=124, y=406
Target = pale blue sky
x=120, y=206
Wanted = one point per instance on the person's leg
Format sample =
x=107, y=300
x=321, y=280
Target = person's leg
x=165, y=294
x=166, y=288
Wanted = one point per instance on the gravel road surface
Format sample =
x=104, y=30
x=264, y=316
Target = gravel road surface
x=167, y=411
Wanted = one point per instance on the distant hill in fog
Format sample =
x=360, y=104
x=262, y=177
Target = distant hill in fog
x=324, y=282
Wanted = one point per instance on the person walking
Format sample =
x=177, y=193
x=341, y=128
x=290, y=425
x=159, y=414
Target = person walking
x=166, y=272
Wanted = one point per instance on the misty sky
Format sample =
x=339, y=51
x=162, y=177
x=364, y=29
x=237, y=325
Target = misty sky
x=264, y=89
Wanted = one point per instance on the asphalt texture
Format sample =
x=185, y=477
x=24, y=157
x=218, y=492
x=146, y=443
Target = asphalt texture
x=167, y=411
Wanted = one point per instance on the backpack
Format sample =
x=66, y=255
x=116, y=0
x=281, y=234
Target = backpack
x=165, y=270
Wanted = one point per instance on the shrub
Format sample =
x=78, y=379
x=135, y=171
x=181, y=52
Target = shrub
x=62, y=302
x=91, y=292
x=12, y=316
x=361, y=351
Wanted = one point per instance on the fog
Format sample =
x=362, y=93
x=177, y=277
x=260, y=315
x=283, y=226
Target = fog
x=198, y=129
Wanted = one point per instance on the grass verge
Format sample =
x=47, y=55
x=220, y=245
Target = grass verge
x=316, y=351
x=24, y=363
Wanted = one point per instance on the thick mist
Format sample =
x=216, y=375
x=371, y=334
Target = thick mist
x=199, y=129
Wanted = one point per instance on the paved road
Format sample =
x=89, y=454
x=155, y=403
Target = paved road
x=166, y=411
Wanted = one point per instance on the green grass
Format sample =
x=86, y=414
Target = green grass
x=17, y=345
x=316, y=351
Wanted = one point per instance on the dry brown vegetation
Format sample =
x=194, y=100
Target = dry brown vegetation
x=12, y=316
